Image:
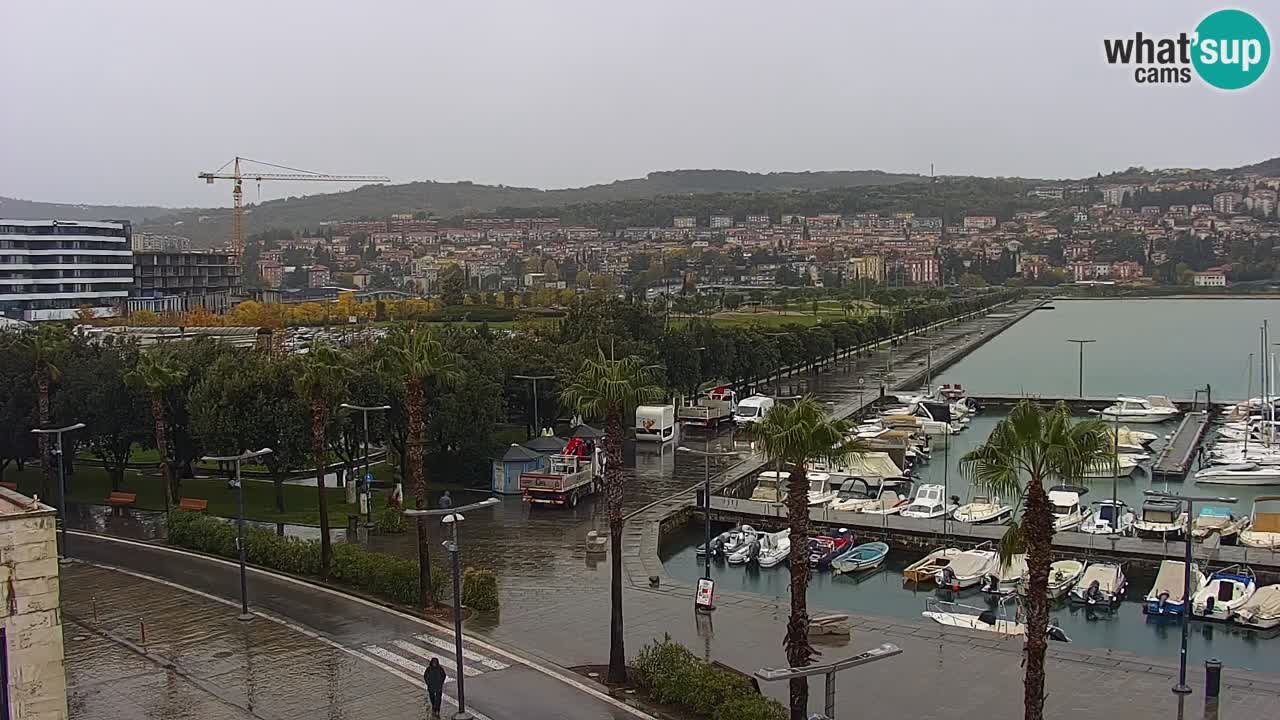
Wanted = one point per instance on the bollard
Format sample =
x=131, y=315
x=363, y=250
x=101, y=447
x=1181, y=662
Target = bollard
x=353, y=523
x=143, y=627
x=1212, y=677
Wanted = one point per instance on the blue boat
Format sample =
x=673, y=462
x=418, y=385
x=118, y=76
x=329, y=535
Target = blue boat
x=866, y=556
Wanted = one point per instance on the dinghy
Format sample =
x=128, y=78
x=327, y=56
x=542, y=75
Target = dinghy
x=924, y=569
x=866, y=556
x=774, y=548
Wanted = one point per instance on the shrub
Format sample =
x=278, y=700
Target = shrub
x=480, y=590
x=673, y=675
x=385, y=576
x=390, y=521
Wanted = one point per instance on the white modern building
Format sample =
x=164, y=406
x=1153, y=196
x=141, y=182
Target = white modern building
x=50, y=268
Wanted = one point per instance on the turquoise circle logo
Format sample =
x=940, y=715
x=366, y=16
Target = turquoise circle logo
x=1232, y=49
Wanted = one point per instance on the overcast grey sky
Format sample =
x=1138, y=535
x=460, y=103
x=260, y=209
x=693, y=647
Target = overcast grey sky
x=123, y=101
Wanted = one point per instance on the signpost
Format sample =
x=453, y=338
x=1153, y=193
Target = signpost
x=705, y=597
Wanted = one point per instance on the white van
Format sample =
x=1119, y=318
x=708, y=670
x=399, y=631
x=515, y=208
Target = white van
x=753, y=409
x=656, y=422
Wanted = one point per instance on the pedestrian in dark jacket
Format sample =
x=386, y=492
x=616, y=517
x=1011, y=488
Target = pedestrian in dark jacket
x=434, y=678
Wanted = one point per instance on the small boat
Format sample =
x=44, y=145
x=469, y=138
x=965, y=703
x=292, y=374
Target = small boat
x=967, y=569
x=866, y=556
x=1216, y=520
x=982, y=510
x=820, y=490
x=771, y=487
x=1109, y=517
x=1004, y=579
x=927, y=504
x=1063, y=574
x=1262, y=611
x=1068, y=513
x=1132, y=441
x=1101, y=586
x=825, y=547
x=1240, y=474
x=1161, y=518
x=967, y=617
x=726, y=542
x=1151, y=409
x=774, y=548
x=748, y=548
x=1264, y=524
x=1166, y=596
x=1226, y=591
x=857, y=495
x=924, y=569
x=1121, y=465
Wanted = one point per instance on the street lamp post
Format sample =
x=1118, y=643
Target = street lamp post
x=875, y=654
x=1080, y=379
x=537, y=420
x=368, y=478
x=62, y=480
x=245, y=615
x=706, y=499
x=452, y=516
x=1188, y=502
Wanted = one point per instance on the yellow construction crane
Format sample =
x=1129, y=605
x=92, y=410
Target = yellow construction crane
x=237, y=194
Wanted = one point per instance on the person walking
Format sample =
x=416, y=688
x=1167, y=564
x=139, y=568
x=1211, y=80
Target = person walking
x=434, y=677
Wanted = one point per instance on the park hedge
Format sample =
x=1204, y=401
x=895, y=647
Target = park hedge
x=673, y=675
x=384, y=576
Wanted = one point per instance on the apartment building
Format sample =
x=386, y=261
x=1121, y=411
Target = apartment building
x=50, y=268
x=181, y=281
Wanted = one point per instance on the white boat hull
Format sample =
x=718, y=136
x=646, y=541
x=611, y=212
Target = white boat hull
x=971, y=622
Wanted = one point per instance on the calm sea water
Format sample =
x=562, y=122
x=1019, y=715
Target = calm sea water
x=1144, y=347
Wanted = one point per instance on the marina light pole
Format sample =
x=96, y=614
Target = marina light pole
x=1188, y=502
x=62, y=479
x=880, y=652
x=706, y=497
x=368, y=476
x=537, y=420
x=245, y=615
x=1080, y=379
x=453, y=517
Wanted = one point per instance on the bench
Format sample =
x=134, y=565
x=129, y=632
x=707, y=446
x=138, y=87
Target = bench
x=193, y=504
x=9, y=486
x=122, y=499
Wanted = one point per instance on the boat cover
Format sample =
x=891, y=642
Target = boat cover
x=1265, y=602
x=1016, y=569
x=873, y=465
x=1169, y=580
x=972, y=562
x=1213, y=518
x=1106, y=575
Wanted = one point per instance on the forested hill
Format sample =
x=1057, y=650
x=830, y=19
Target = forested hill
x=31, y=210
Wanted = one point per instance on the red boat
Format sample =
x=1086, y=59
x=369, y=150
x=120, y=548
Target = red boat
x=825, y=547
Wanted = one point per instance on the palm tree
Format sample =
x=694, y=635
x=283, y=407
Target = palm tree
x=796, y=436
x=46, y=346
x=611, y=388
x=157, y=372
x=416, y=357
x=1035, y=445
x=321, y=385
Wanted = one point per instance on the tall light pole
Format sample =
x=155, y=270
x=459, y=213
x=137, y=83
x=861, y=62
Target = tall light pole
x=706, y=496
x=537, y=420
x=368, y=477
x=62, y=480
x=245, y=615
x=453, y=516
x=1080, y=383
x=1188, y=502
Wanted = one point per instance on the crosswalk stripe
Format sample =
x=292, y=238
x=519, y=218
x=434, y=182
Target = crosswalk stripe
x=416, y=650
x=391, y=657
x=468, y=654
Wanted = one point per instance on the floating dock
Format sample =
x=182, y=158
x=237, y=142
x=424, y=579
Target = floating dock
x=1175, y=458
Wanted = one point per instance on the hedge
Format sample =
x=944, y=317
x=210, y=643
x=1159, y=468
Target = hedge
x=673, y=675
x=385, y=576
x=480, y=590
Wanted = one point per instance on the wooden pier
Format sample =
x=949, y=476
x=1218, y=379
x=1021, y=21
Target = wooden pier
x=1175, y=458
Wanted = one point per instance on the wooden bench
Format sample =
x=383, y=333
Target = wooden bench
x=9, y=486
x=122, y=499
x=193, y=504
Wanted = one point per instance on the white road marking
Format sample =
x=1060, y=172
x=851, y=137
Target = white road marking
x=473, y=656
x=545, y=670
x=448, y=661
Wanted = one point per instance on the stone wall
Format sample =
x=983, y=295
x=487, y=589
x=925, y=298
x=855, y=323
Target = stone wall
x=29, y=609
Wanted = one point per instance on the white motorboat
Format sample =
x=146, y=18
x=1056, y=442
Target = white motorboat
x=1063, y=574
x=1161, y=518
x=1101, y=586
x=1121, y=465
x=967, y=569
x=1216, y=520
x=927, y=504
x=1109, y=517
x=1264, y=524
x=774, y=548
x=887, y=498
x=924, y=569
x=1233, y=453
x=1240, y=474
x=1225, y=592
x=1131, y=441
x=982, y=510
x=1004, y=579
x=771, y=487
x=1166, y=596
x=1262, y=611
x=748, y=549
x=868, y=465
x=970, y=618
x=728, y=541
x=821, y=491
x=1151, y=409
x=1068, y=513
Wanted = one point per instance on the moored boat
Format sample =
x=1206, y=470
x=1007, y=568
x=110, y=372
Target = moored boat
x=1262, y=611
x=1240, y=474
x=982, y=510
x=1264, y=524
x=927, y=504
x=1068, y=513
x=1005, y=578
x=924, y=569
x=1216, y=520
x=866, y=556
x=1225, y=592
x=1166, y=596
x=967, y=569
x=774, y=548
x=1151, y=409
x=1101, y=586
x=1161, y=518
x=825, y=547
x=1109, y=517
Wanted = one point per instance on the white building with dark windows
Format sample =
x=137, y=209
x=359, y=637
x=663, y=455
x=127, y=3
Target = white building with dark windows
x=51, y=268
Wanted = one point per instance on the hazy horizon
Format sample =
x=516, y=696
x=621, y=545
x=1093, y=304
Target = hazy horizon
x=133, y=98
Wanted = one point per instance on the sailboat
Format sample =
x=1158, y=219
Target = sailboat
x=1246, y=471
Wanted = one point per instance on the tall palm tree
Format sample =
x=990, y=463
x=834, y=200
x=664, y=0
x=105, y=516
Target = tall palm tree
x=795, y=437
x=321, y=385
x=416, y=357
x=611, y=388
x=47, y=345
x=1024, y=452
x=158, y=371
